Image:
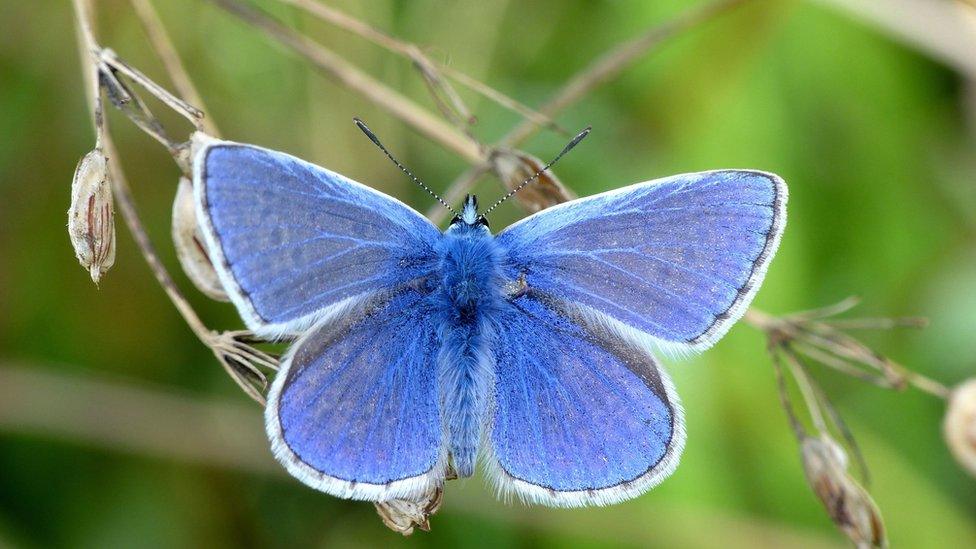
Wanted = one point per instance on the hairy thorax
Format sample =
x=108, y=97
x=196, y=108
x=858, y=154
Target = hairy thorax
x=470, y=270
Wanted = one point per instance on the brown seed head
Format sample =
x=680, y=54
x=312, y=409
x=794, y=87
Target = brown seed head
x=513, y=167
x=91, y=224
x=403, y=516
x=848, y=504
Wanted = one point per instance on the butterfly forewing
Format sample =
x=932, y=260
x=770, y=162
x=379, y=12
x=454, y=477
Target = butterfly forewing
x=678, y=258
x=291, y=240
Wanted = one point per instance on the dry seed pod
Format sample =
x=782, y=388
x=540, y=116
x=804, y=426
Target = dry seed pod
x=91, y=223
x=848, y=504
x=190, y=248
x=403, y=516
x=959, y=426
x=513, y=167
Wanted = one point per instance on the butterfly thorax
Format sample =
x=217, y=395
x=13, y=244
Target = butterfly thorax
x=469, y=268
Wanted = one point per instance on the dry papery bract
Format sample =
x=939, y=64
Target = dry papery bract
x=401, y=515
x=91, y=223
x=513, y=167
x=959, y=426
x=190, y=247
x=244, y=362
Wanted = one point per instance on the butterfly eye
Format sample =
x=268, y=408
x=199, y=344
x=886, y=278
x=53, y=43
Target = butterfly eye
x=482, y=221
x=455, y=220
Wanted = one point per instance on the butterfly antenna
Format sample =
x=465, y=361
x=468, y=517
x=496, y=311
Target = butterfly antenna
x=376, y=141
x=569, y=146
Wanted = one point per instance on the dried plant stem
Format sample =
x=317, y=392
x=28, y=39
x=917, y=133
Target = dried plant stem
x=445, y=97
x=758, y=319
x=105, y=66
x=842, y=365
x=350, y=76
x=819, y=338
x=827, y=311
x=601, y=70
x=784, y=395
x=877, y=323
x=188, y=111
x=808, y=391
x=477, y=86
x=87, y=49
x=160, y=41
x=928, y=385
x=236, y=358
x=123, y=197
x=609, y=65
x=120, y=187
x=424, y=63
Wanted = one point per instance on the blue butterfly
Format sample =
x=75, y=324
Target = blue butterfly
x=421, y=352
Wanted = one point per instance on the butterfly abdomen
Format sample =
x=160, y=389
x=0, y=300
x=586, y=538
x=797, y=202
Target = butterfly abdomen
x=465, y=379
x=467, y=298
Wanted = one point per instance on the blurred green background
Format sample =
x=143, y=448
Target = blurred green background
x=118, y=429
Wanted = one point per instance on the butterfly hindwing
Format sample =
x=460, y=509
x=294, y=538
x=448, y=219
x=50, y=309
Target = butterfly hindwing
x=678, y=258
x=583, y=415
x=292, y=241
x=353, y=411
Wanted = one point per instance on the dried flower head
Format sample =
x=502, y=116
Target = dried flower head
x=190, y=248
x=847, y=503
x=244, y=362
x=959, y=426
x=513, y=167
x=403, y=516
x=91, y=225
x=819, y=336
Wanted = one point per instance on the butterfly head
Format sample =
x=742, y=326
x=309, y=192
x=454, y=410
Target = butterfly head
x=469, y=215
